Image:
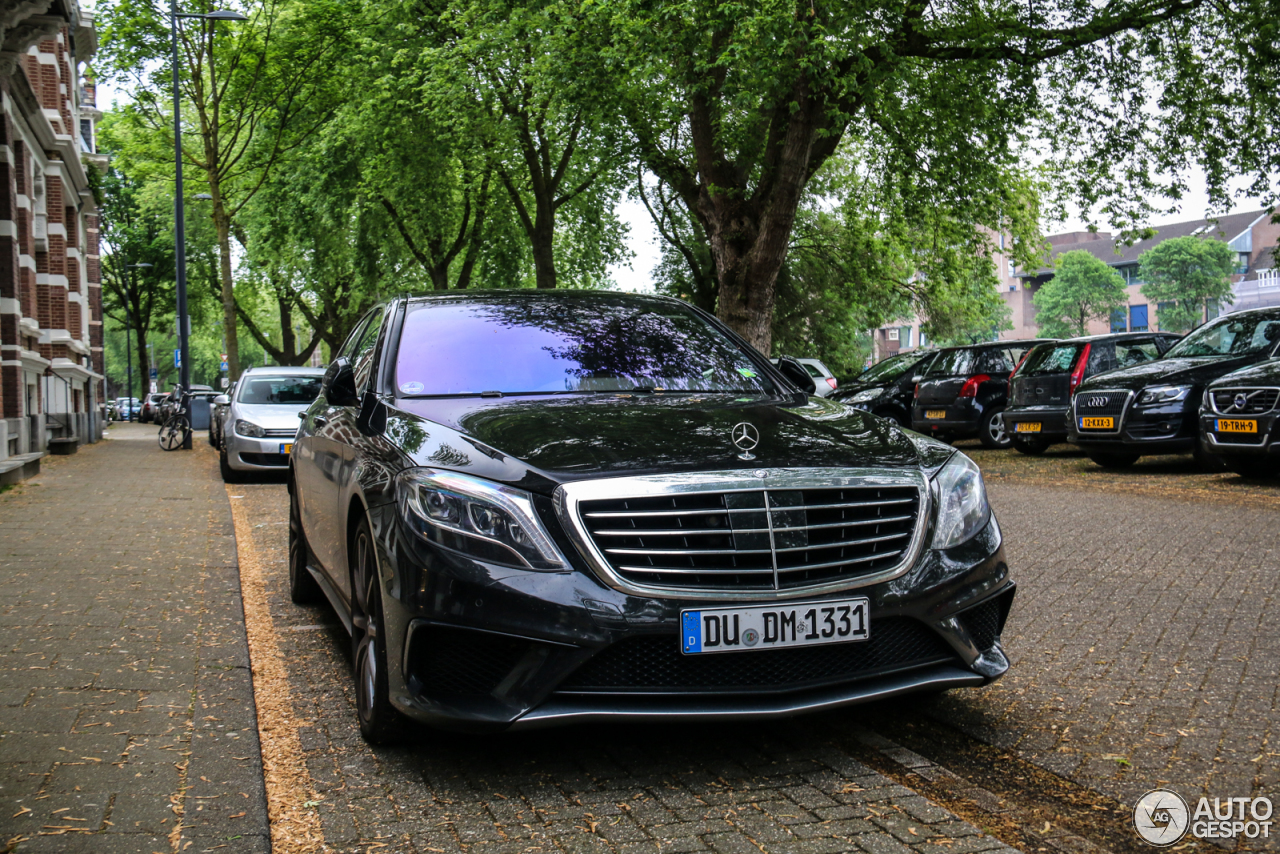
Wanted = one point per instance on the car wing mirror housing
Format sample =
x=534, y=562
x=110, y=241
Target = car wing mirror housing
x=372, y=420
x=339, y=383
x=797, y=375
x=221, y=400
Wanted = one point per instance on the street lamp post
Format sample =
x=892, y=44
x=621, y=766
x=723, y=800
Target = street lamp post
x=179, y=227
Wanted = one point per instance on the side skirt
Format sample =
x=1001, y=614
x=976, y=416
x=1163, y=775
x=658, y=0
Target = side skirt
x=335, y=598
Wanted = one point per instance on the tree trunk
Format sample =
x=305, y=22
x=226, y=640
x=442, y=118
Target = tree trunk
x=223, y=225
x=288, y=341
x=543, y=242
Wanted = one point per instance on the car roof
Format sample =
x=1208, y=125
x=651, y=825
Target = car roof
x=1113, y=336
x=1017, y=342
x=291, y=371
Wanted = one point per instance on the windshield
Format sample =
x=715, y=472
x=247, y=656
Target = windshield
x=536, y=344
x=1050, y=359
x=890, y=369
x=279, y=390
x=1229, y=336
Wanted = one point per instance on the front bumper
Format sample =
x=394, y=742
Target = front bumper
x=476, y=646
x=266, y=454
x=1264, y=442
x=1170, y=429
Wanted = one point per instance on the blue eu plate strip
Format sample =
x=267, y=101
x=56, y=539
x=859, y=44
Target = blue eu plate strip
x=692, y=625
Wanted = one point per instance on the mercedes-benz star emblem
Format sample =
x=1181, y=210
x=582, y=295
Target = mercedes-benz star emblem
x=746, y=437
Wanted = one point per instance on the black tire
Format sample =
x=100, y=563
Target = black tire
x=992, y=433
x=1032, y=446
x=229, y=475
x=380, y=723
x=303, y=589
x=1113, y=459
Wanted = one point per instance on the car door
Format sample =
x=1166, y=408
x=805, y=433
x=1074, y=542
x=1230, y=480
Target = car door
x=317, y=470
x=347, y=440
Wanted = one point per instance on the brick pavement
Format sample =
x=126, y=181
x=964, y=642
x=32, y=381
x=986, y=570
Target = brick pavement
x=785, y=786
x=126, y=703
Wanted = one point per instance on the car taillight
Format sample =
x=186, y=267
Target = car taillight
x=970, y=387
x=1077, y=373
x=831, y=381
x=917, y=394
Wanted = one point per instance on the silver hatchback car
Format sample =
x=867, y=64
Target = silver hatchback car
x=260, y=419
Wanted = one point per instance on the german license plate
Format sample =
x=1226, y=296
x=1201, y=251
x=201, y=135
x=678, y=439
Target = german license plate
x=1097, y=424
x=935, y=413
x=774, y=626
x=1027, y=427
x=1236, y=425
x=286, y=447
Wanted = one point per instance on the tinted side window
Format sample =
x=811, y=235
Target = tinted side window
x=995, y=362
x=1136, y=352
x=1102, y=358
x=349, y=345
x=362, y=353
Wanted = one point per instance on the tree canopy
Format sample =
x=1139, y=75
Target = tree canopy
x=1183, y=275
x=1083, y=288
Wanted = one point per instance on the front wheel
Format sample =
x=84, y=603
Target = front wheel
x=229, y=475
x=380, y=723
x=1113, y=459
x=174, y=433
x=303, y=588
x=993, y=435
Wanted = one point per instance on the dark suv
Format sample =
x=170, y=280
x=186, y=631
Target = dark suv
x=534, y=507
x=1153, y=408
x=1041, y=388
x=965, y=389
x=1240, y=420
x=887, y=387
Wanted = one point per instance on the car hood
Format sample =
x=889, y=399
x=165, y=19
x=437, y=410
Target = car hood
x=1192, y=371
x=849, y=389
x=1266, y=374
x=539, y=442
x=273, y=416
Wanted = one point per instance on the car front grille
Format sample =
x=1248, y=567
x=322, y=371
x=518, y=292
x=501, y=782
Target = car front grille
x=985, y=621
x=1244, y=401
x=754, y=539
x=254, y=459
x=1258, y=438
x=1100, y=404
x=1153, y=430
x=280, y=433
x=655, y=664
x=462, y=662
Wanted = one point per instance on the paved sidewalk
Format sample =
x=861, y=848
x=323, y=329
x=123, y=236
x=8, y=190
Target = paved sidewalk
x=126, y=705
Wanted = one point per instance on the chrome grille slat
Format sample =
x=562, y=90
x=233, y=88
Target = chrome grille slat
x=801, y=531
x=1258, y=400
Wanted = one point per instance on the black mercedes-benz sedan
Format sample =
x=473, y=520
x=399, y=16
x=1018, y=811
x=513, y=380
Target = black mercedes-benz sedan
x=531, y=508
x=1041, y=387
x=1240, y=420
x=1153, y=408
x=965, y=390
x=887, y=388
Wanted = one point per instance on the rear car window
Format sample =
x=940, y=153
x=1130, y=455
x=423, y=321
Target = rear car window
x=952, y=363
x=1130, y=353
x=1050, y=359
x=279, y=390
x=555, y=344
x=1230, y=336
x=813, y=372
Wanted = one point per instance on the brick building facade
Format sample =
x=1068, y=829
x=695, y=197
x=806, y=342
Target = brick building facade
x=51, y=369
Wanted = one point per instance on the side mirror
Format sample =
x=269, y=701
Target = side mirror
x=917, y=378
x=339, y=384
x=797, y=375
x=221, y=400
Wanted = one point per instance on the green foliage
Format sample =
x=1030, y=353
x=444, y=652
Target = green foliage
x=1183, y=275
x=1083, y=288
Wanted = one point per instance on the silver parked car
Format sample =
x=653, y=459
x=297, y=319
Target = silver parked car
x=261, y=419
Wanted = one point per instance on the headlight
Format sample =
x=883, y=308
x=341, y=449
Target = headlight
x=485, y=520
x=248, y=428
x=1158, y=394
x=962, y=502
x=864, y=396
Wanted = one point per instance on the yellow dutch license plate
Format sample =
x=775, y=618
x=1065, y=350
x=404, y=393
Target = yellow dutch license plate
x=935, y=413
x=1097, y=424
x=1027, y=427
x=286, y=447
x=1235, y=425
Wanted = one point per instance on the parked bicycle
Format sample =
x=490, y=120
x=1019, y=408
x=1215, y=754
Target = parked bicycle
x=177, y=429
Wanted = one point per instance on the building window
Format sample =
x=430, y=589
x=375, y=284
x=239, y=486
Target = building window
x=1013, y=267
x=893, y=334
x=1242, y=266
x=1013, y=287
x=1137, y=318
x=1118, y=321
x=904, y=337
x=922, y=338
